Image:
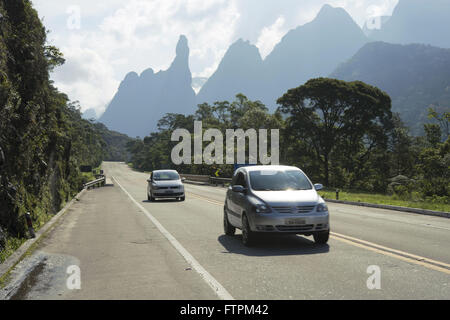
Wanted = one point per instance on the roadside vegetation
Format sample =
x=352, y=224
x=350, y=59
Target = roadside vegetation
x=342, y=134
x=43, y=138
x=412, y=201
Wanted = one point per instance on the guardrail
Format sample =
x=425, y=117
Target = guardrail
x=221, y=181
x=206, y=179
x=100, y=182
x=196, y=178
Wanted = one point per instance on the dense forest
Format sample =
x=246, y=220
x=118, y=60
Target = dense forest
x=342, y=134
x=43, y=139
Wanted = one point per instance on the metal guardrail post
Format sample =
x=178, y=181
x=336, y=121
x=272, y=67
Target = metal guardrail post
x=96, y=183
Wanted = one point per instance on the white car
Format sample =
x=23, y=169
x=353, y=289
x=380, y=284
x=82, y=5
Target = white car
x=165, y=184
x=264, y=200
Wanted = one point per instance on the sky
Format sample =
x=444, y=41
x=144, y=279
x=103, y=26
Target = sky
x=103, y=40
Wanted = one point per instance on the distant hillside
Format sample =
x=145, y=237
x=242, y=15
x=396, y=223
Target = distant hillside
x=115, y=148
x=415, y=76
x=144, y=99
x=418, y=21
x=312, y=50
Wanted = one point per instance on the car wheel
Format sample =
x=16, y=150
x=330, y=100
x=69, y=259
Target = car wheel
x=321, y=237
x=248, y=236
x=183, y=198
x=227, y=227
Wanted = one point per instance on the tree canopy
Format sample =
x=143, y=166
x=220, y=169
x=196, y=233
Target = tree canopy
x=330, y=115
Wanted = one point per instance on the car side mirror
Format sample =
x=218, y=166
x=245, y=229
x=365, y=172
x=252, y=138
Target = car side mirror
x=149, y=180
x=318, y=186
x=238, y=189
x=183, y=179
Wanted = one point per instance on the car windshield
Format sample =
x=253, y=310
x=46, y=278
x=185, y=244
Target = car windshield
x=279, y=180
x=165, y=176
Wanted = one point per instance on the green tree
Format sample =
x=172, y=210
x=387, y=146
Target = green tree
x=332, y=115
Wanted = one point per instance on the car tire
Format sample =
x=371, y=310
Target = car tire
x=248, y=236
x=227, y=227
x=183, y=198
x=321, y=237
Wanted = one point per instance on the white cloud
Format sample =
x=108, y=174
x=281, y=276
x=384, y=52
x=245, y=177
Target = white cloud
x=270, y=36
x=87, y=77
x=117, y=37
x=136, y=36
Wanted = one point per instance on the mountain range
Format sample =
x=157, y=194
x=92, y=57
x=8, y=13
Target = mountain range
x=330, y=45
x=144, y=99
x=415, y=76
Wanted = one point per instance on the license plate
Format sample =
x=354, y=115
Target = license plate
x=295, y=221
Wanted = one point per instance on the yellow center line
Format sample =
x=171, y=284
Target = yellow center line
x=213, y=201
x=401, y=255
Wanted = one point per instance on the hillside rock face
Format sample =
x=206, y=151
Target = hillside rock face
x=415, y=76
x=142, y=100
x=418, y=21
x=311, y=50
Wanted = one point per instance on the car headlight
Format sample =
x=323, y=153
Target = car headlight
x=322, y=207
x=261, y=208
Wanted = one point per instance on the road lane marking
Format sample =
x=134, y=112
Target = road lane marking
x=221, y=292
x=213, y=201
x=418, y=260
x=426, y=262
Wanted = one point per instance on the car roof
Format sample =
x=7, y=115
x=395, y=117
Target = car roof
x=268, y=168
x=160, y=171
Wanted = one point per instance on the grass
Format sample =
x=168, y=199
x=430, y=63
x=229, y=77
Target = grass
x=11, y=245
x=387, y=200
x=89, y=176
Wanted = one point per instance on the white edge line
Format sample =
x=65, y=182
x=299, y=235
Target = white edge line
x=221, y=292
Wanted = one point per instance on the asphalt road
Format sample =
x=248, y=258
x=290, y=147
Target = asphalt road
x=128, y=248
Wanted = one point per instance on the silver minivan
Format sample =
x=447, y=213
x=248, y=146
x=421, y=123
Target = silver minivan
x=263, y=200
x=165, y=184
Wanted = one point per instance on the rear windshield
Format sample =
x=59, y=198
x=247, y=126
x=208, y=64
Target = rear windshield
x=163, y=176
x=279, y=180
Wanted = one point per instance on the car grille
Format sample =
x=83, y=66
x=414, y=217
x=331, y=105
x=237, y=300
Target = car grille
x=169, y=195
x=293, y=210
x=301, y=228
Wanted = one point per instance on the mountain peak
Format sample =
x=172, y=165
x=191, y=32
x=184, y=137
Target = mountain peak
x=417, y=21
x=131, y=76
x=327, y=13
x=129, y=80
x=243, y=49
x=182, y=47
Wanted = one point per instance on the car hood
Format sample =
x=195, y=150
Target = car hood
x=167, y=183
x=295, y=197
